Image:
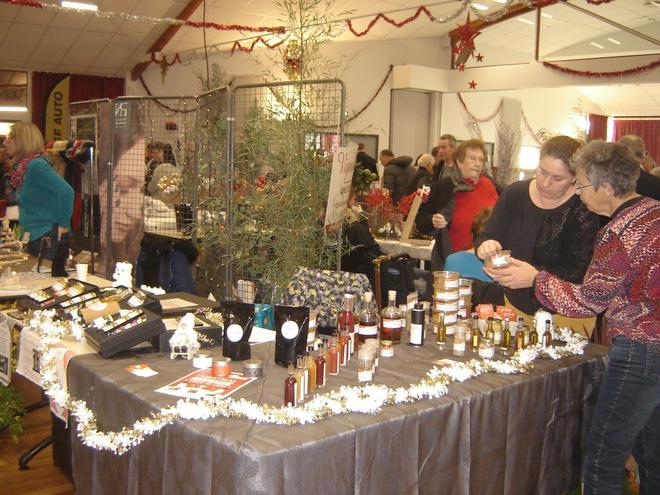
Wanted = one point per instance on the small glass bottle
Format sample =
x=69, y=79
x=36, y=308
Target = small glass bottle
x=301, y=378
x=533, y=336
x=290, y=386
x=365, y=365
x=368, y=326
x=344, y=348
x=490, y=331
x=458, y=347
x=311, y=366
x=441, y=332
x=476, y=335
x=520, y=336
x=345, y=320
x=506, y=338
x=321, y=369
x=547, y=334
x=497, y=332
x=390, y=323
x=333, y=357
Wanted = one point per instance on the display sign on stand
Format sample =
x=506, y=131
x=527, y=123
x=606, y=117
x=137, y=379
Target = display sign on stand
x=343, y=164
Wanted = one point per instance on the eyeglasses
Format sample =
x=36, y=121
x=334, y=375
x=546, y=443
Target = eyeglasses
x=579, y=188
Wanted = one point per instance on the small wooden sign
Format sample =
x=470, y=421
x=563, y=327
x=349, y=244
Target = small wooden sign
x=410, y=222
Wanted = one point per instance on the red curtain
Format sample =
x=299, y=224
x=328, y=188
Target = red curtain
x=81, y=88
x=648, y=130
x=597, y=127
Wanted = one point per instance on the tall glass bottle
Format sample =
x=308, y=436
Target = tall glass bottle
x=497, y=331
x=390, y=321
x=321, y=369
x=441, y=334
x=333, y=356
x=547, y=335
x=301, y=378
x=345, y=320
x=520, y=335
x=490, y=331
x=311, y=366
x=533, y=336
x=417, y=324
x=368, y=326
x=290, y=388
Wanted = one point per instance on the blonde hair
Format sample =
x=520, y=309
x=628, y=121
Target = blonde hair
x=28, y=138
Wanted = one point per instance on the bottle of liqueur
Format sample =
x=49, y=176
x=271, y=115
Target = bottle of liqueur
x=547, y=335
x=290, y=388
x=345, y=320
x=458, y=346
x=490, y=331
x=520, y=335
x=476, y=333
x=310, y=359
x=417, y=322
x=506, y=338
x=301, y=381
x=390, y=320
x=333, y=354
x=321, y=367
x=497, y=332
x=344, y=348
x=533, y=336
x=441, y=335
x=368, y=326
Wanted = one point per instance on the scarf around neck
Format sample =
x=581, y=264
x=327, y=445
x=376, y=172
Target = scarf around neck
x=18, y=175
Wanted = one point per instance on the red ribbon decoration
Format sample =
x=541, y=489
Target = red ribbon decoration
x=236, y=27
x=246, y=49
x=26, y=3
x=163, y=60
x=371, y=24
x=588, y=73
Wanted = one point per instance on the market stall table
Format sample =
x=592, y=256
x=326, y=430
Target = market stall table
x=513, y=434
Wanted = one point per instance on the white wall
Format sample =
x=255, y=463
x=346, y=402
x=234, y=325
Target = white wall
x=365, y=65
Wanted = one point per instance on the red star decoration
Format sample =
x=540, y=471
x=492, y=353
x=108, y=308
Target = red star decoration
x=466, y=34
x=461, y=67
x=473, y=84
x=480, y=57
x=456, y=50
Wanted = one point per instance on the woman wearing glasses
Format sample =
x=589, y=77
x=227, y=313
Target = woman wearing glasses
x=542, y=222
x=623, y=279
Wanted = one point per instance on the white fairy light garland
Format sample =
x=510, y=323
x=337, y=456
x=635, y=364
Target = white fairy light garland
x=366, y=399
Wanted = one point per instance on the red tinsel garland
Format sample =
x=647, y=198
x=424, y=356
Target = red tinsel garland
x=588, y=73
x=163, y=60
x=235, y=27
x=420, y=10
x=26, y=3
x=247, y=49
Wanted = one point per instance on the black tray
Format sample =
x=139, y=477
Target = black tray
x=196, y=303
x=107, y=345
x=210, y=335
x=28, y=303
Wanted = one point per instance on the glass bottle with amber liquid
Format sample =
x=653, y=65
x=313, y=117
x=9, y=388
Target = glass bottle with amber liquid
x=368, y=320
x=533, y=336
x=547, y=335
x=290, y=397
x=333, y=356
x=321, y=368
x=506, y=338
x=441, y=333
x=490, y=331
x=520, y=335
x=311, y=366
x=390, y=320
x=476, y=333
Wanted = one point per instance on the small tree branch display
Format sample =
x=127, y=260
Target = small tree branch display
x=506, y=151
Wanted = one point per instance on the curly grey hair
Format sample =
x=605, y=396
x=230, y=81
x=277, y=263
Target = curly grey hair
x=608, y=162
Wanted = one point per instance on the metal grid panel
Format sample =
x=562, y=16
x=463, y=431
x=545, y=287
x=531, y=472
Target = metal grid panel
x=282, y=139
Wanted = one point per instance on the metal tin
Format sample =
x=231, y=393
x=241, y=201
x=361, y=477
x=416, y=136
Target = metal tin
x=221, y=367
x=253, y=368
x=386, y=348
x=202, y=361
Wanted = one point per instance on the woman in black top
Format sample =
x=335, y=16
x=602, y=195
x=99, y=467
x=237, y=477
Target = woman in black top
x=544, y=223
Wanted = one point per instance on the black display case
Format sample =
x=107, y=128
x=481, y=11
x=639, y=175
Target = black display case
x=180, y=303
x=56, y=294
x=209, y=333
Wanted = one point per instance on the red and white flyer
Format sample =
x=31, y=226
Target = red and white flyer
x=201, y=383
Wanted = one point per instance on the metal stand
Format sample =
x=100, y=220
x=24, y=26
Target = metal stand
x=25, y=458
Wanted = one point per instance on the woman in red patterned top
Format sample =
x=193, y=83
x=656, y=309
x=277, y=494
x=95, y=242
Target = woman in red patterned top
x=623, y=278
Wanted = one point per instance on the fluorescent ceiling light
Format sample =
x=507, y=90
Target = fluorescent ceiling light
x=479, y=6
x=526, y=21
x=547, y=16
x=612, y=40
x=593, y=43
x=13, y=109
x=500, y=1
x=79, y=6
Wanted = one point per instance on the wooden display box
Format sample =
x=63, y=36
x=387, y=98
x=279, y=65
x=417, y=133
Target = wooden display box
x=140, y=328
x=53, y=297
x=209, y=333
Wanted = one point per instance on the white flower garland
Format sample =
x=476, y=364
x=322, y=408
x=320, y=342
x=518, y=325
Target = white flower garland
x=367, y=399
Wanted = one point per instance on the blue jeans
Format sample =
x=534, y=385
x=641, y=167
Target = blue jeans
x=626, y=419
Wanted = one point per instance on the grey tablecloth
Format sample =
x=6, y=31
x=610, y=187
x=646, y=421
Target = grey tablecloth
x=518, y=434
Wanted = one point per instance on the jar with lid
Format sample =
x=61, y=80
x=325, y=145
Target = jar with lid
x=365, y=365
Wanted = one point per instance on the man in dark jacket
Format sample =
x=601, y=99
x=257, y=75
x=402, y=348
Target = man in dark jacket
x=397, y=177
x=648, y=184
x=424, y=173
x=362, y=160
x=445, y=149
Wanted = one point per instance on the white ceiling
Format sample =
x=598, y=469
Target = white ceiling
x=54, y=40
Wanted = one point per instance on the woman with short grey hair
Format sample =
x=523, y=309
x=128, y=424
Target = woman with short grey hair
x=623, y=279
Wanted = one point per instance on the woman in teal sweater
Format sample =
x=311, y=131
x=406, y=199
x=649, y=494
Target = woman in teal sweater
x=45, y=200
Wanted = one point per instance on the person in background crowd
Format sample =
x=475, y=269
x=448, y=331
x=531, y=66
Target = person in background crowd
x=467, y=263
x=446, y=149
x=397, y=176
x=455, y=200
x=647, y=185
x=156, y=154
x=384, y=159
x=542, y=222
x=435, y=153
x=363, y=160
x=45, y=199
x=424, y=174
x=622, y=279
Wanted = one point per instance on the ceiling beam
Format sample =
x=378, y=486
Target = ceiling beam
x=166, y=37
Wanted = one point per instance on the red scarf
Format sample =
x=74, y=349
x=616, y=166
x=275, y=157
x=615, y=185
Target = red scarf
x=17, y=177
